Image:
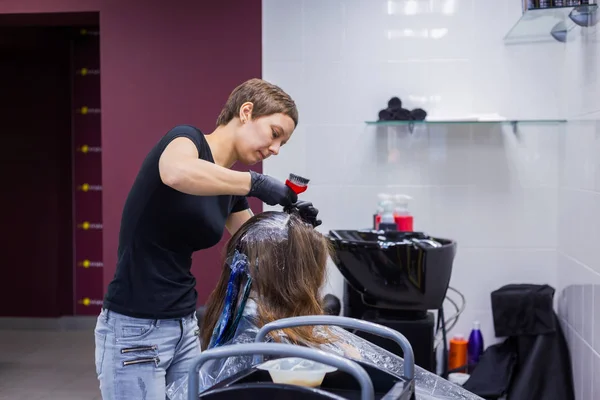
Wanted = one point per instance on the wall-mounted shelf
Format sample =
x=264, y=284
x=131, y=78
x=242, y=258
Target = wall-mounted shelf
x=512, y=123
x=551, y=24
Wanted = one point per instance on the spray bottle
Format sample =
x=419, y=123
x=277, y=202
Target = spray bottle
x=402, y=217
x=384, y=219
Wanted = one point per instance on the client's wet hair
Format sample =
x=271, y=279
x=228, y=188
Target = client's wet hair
x=287, y=261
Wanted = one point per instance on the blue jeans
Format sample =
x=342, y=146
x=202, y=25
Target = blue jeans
x=137, y=358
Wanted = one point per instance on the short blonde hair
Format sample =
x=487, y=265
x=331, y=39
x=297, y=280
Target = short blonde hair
x=267, y=99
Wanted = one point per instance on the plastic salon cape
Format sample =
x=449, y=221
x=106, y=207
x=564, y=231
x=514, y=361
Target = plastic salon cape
x=428, y=386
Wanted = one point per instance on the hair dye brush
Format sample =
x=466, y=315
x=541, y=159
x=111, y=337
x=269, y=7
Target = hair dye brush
x=303, y=209
x=297, y=183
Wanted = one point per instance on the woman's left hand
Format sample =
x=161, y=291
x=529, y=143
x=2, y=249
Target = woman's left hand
x=308, y=212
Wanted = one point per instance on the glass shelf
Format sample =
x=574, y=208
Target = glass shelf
x=468, y=121
x=512, y=123
x=551, y=24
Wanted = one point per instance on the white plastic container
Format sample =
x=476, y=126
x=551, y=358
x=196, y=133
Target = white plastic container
x=458, y=378
x=401, y=204
x=296, y=371
x=385, y=208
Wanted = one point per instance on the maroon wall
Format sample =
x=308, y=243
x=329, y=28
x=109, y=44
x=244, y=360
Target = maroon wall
x=162, y=64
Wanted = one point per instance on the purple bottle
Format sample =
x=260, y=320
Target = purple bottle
x=475, y=346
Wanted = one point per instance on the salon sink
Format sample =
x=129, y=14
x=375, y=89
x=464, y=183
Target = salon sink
x=395, y=270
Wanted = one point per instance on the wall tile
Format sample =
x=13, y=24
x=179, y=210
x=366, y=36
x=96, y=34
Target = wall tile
x=577, y=347
x=596, y=374
x=282, y=37
x=588, y=309
x=596, y=319
x=326, y=82
x=517, y=218
x=324, y=29
x=580, y=156
x=578, y=219
x=493, y=268
x=449, y=81
x=402, y=30
x=587, y=371
x=365, y=26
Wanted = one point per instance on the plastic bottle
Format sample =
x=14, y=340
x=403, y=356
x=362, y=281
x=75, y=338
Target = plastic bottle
x=402, y=217
x=457, y=355
x=384, y=219
x=475, y=347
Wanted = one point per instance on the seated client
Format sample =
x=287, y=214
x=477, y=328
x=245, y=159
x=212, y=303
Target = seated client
x=274, y=267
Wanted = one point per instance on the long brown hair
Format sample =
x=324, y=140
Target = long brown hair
x=287, y=263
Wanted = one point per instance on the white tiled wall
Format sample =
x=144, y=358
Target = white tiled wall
x=492, y=191
x=579, y=215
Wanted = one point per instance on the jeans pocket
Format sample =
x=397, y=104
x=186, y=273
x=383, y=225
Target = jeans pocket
x=136, y=330
x=102, y=333
x=100, y=340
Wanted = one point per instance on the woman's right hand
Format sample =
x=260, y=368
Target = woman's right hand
x=270, y=190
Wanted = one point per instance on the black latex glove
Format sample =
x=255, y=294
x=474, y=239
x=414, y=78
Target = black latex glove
x=271, y=191
x=308, y=212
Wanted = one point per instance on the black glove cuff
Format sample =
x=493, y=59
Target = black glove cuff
x=256, y=180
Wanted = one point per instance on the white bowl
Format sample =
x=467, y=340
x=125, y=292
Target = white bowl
x=296, y=371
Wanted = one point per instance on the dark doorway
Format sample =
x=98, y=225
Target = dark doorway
x=37, y=262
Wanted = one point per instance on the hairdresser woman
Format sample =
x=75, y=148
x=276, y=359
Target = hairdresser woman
x=183, y=198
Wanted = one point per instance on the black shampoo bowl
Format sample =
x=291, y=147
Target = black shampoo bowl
x=395, y=270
